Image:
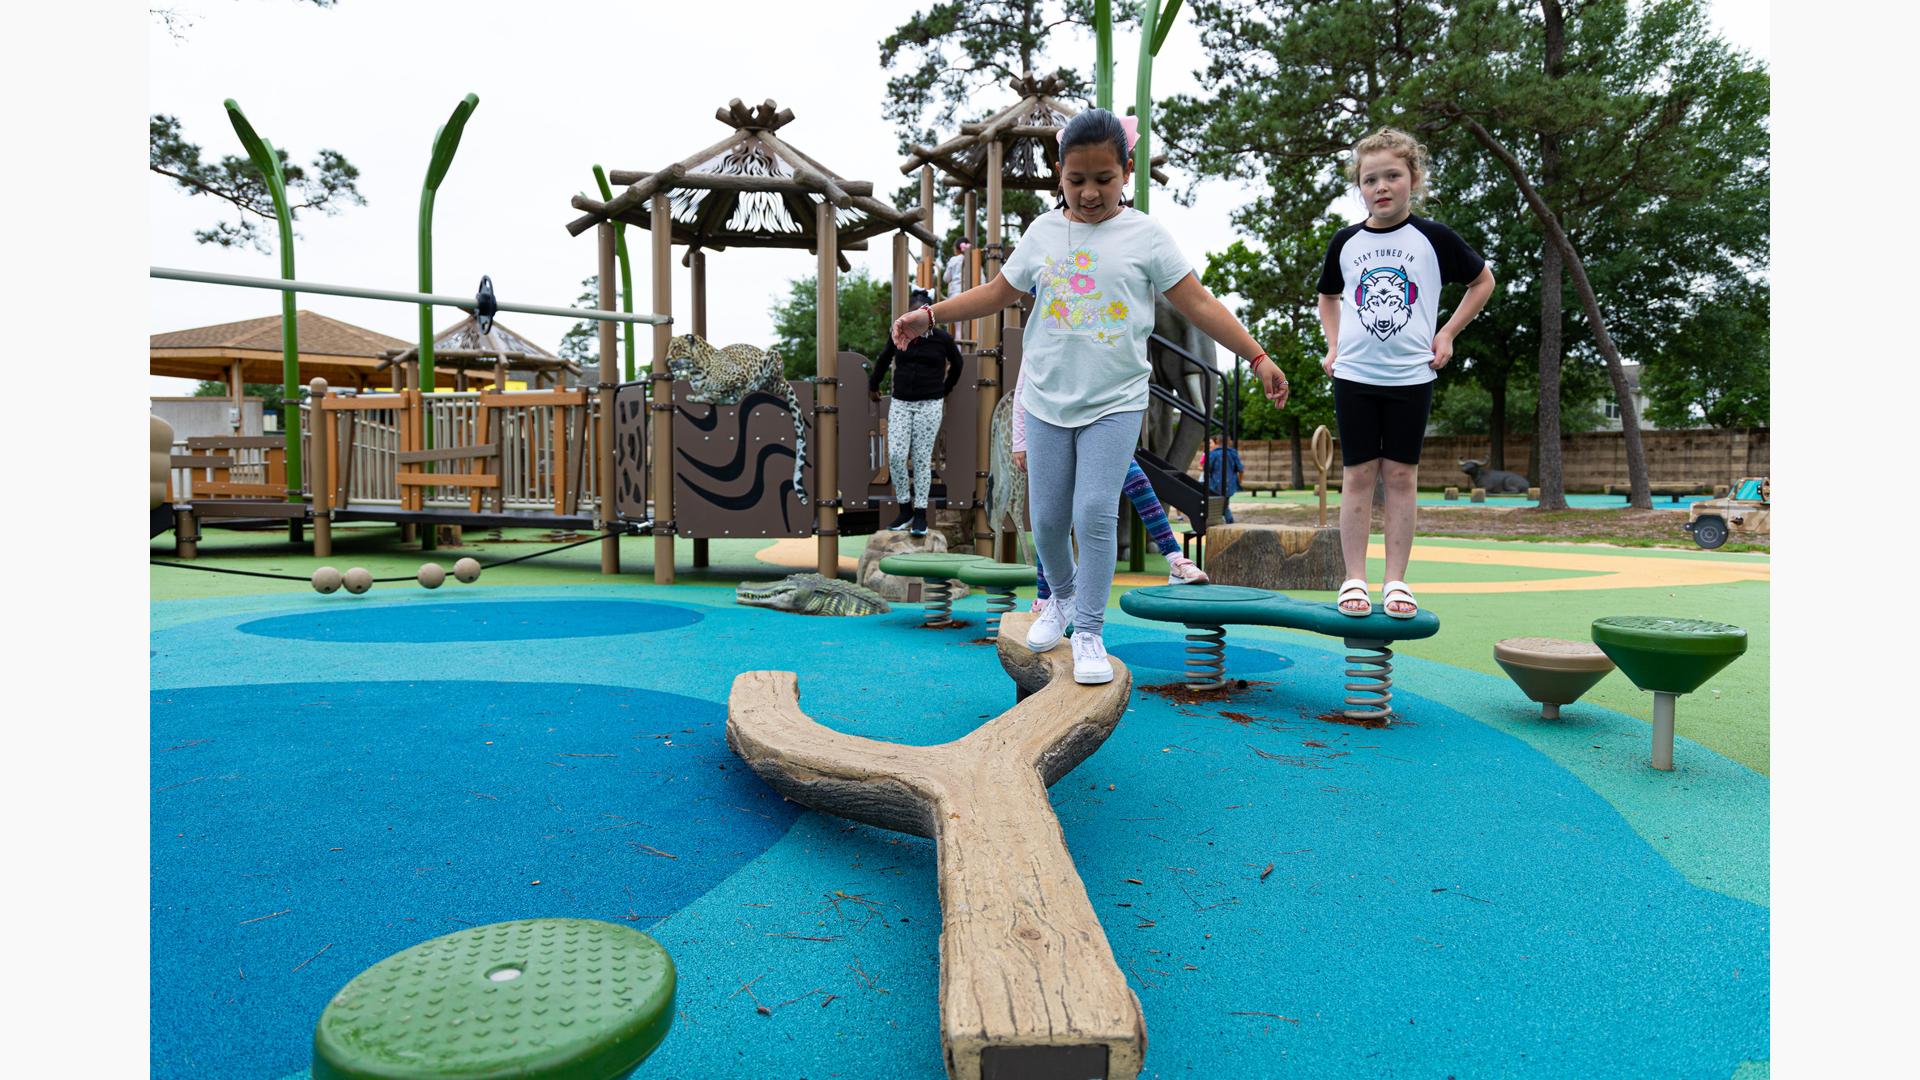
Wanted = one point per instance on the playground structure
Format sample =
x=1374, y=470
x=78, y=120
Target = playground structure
x=583, y=450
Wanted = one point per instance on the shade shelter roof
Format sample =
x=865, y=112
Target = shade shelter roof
x=1029, y=130
x=463, y=347
x=343, y=354
x=751, y=189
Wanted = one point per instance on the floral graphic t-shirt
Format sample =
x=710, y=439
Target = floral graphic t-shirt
x=1084, y=351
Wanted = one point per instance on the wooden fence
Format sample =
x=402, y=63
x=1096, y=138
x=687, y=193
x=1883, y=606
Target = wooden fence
x=1591, y=461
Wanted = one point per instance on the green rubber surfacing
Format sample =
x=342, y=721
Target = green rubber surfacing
x=590, y=1001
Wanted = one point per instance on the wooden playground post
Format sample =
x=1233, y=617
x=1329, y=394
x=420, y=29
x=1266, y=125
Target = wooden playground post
x=826, y=480
x=970, y=269
x=661, y=415
x=900, y=274
x=317, y=476
x=609, y=376
x=929, y=255
x=697, y=261
x=989, y=358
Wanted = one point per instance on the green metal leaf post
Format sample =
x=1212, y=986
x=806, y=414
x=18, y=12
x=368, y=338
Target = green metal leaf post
x=262, y=154
x=446, y=141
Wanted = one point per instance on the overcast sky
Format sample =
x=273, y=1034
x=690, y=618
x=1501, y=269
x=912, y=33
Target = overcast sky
x=624, y=85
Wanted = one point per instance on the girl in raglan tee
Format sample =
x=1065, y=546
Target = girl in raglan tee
x=1379, y=299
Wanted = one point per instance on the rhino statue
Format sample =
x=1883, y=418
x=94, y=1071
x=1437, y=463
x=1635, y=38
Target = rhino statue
x=1495, y=481
x=811, y=594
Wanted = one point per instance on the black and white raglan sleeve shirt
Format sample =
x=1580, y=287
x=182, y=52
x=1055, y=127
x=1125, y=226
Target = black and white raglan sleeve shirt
x=1388, y=281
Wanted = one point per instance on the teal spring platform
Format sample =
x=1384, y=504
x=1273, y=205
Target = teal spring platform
x=1207, y=610
x=936, y=568
x=553, y=999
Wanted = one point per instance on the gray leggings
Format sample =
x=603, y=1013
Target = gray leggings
x=1074, y=477
x=912, y=428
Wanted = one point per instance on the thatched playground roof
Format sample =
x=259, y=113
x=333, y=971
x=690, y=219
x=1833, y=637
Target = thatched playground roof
x=751, y=189
x=1029, y=131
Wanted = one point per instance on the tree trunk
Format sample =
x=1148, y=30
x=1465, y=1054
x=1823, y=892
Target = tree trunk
x=1299, y=465
x=1497, y=427
x=1551, y=477
x=1642, y=497
x=1549, y=473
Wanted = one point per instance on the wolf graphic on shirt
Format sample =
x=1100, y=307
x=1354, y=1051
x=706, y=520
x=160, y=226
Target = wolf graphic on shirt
x=1385, y=298
x=1071, y=299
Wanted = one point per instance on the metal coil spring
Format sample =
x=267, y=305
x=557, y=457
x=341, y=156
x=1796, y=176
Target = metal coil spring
x=937, y=596
x=1375, y=670
x=999, y=602
x=1206, y=657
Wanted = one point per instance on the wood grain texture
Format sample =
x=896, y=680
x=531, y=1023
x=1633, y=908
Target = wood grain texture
x=1279, y=557
x=1025, y=968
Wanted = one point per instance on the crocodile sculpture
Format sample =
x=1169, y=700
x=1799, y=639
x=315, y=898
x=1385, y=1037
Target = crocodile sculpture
x=811, y=594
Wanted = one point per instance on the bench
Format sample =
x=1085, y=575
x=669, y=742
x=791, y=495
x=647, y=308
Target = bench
x=1209, y=609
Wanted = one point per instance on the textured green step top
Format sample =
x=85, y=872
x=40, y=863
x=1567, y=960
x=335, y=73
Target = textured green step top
x=1012, y=575
x=1673, y=656
x=928, y=564
x=549, y=998
x=1219, y=605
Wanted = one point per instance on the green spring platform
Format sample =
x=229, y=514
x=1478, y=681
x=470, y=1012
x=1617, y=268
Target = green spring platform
x=936, y=568
x=999, y=580
x=1207, y=610
x=553, y=999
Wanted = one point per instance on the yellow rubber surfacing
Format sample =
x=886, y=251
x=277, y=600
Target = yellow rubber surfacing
x=1609, y=571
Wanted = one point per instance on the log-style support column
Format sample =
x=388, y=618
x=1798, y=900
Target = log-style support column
x=660, y=407
x=970, y=269
x=609, y=378
x=319, y=470
x=826, y=393
x=697, y=262
x=899, y=274
x=989, y=395
x=929, y=255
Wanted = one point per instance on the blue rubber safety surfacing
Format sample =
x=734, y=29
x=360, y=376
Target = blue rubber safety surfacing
x=1169, y=656
x=1445, y=898
x=374, y=816
x=500, y=620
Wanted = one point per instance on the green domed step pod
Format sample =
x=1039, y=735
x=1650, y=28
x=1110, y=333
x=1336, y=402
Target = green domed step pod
x=936, y=568
x=544, y=999
x=999, y=580
x=1551, y=671
x=1669, y=657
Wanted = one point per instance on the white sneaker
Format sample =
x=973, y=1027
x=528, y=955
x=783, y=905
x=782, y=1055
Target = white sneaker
x=1090, y=665
x=1049, y=625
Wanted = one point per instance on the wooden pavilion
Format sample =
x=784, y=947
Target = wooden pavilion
x=249, y=351
x=750, y=189
x=462, y=348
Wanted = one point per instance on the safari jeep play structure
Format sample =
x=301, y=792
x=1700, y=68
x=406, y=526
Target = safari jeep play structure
x=1744, y=508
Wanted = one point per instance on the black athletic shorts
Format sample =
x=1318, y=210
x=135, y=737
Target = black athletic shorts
x=1381, y=421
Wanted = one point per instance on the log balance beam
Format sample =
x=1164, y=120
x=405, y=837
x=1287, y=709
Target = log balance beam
x=1028, y=983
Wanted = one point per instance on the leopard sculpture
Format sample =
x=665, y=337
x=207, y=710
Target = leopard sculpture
x=726, y=376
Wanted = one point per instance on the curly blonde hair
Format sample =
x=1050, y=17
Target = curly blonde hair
x=1392, y=140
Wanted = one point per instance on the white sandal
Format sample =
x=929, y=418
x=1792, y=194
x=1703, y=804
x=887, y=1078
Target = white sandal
x=1396, y=592
x=1350, y=590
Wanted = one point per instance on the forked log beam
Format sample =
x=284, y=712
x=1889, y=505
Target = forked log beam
x=1028, y=982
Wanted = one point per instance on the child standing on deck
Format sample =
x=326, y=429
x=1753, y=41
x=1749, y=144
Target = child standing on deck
x=924, y=373
x=1096, y=265
x=1379, y=296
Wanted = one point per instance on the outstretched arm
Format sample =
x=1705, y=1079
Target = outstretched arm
x=1205, y=311
x=972, y=304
